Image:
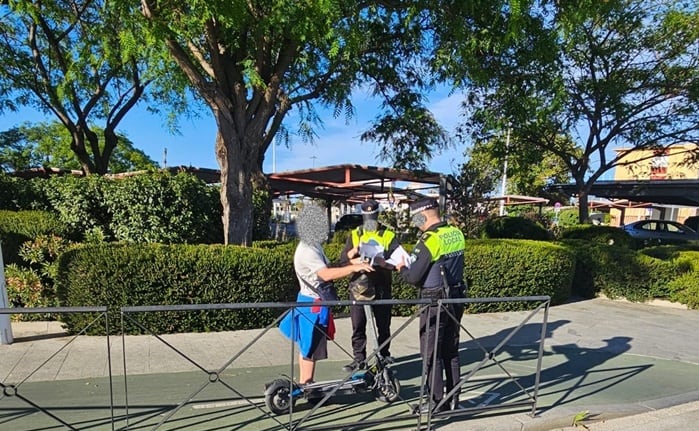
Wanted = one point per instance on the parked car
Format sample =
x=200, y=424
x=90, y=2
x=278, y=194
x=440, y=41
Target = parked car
x=348, y=222
x=653, y=232
x=692, y=222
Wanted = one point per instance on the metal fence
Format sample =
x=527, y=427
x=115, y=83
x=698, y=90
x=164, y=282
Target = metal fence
x=220, y=384
x=23, y=403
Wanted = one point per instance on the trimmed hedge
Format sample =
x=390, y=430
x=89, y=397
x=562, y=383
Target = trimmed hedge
x=618, y=272
x=151, y=274
x=684, y=288
x=607, y=235
x=508, y=268
x=515, y=228
x=497, y=268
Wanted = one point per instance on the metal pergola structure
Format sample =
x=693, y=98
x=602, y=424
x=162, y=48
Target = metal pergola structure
x=669, y=192
x=356, y=183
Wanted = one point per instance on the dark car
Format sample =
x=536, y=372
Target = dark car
x=653, y=232
x=348, y=222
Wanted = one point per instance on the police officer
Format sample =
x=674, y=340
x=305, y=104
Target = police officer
x=436, y=267
x=379, y=282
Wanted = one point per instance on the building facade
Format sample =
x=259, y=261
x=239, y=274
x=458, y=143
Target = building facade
x=657, y=165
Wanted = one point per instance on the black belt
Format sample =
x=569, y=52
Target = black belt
x=433, y=293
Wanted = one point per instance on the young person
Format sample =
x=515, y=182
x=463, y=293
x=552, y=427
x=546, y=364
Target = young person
x=310, y=327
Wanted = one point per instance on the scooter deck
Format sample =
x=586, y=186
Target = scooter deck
x=352, y=381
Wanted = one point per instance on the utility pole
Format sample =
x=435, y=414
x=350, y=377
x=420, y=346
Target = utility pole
x=503, y=186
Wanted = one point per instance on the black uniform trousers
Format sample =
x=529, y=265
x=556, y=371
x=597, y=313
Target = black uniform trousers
x=447, y=335
x=382, y=316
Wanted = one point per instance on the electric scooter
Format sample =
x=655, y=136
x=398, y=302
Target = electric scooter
x=281, y=394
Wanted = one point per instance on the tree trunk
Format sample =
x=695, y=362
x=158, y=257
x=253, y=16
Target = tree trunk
x=78, y=147
x=583, y=211
x=238, y=168
x=110, y=142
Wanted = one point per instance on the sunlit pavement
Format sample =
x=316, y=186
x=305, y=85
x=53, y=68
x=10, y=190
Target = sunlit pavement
x=607, y=358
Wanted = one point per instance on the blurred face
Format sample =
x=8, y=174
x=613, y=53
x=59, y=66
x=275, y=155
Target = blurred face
x=418, y=220
x=312, y=225
x=370, y=222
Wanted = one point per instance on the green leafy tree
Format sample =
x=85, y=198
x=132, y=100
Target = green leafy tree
x=252, y=62
x=48, y=144
x=14, y=155
x=81, y=61
x=480, y=178
x=530, y=172
x=476, y=180
x=587, y=76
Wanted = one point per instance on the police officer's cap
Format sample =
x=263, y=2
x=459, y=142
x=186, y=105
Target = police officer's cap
x=422, y=205
x=370, y=207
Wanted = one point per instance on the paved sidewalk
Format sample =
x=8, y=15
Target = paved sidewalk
x=681, y=417
x=631, y=366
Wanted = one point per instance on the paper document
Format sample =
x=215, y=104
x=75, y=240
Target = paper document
x=398, y=256
x=371, y=249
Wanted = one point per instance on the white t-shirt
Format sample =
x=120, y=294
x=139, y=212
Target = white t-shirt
x=308, y=260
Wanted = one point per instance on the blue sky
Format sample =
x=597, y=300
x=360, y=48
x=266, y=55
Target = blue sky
x=337, y=141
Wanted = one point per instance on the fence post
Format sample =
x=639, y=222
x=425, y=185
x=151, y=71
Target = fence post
x=5, y=326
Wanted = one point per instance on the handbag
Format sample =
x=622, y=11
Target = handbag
x=326, y=291
x=361, y=288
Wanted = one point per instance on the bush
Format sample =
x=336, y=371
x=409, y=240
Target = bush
x=618, y=272
x=515, y=228
x=165, y=208
x=24, y=289
x=80, y=203
x=150, y=207
x=669, y=252
x=261, y=214
x=568, y=217
x=116, y=275
x=509, y=268
x=685, y=287
x=17, y=227
x=599, y=234
x=17, y=194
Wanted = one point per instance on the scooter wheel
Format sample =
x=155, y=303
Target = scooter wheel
x=278, y=398
x=388, y=391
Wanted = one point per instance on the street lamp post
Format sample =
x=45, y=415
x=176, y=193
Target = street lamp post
x=503, y=186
